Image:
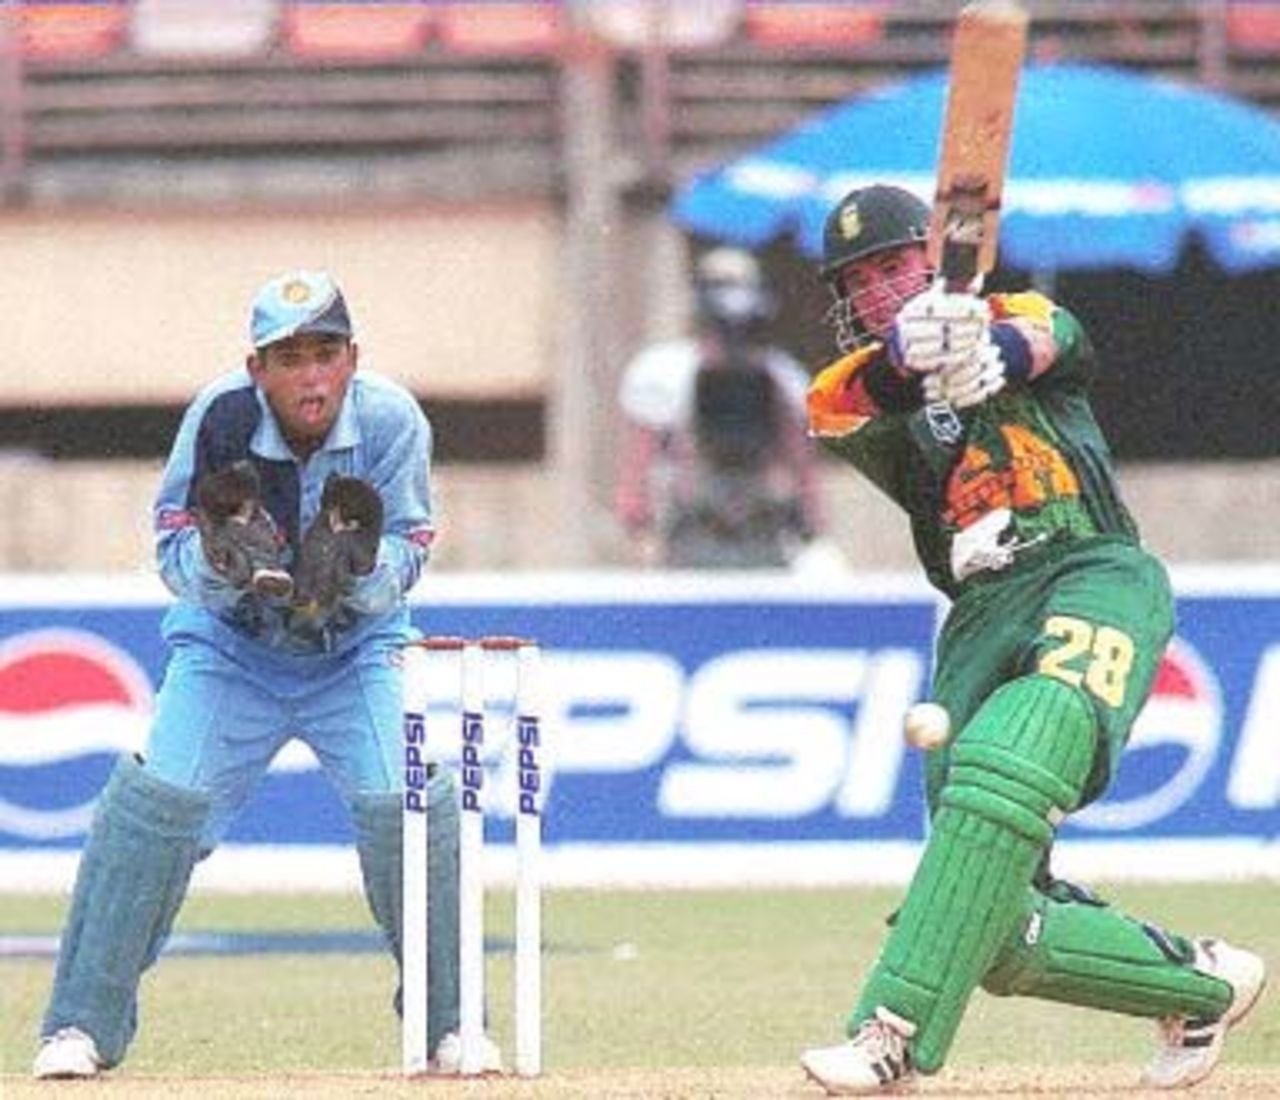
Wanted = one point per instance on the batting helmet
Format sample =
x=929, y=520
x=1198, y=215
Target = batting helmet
x=869, y=220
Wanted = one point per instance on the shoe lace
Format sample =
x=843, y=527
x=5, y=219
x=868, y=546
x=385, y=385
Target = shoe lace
x=881, y=1043
x=1186, y=1032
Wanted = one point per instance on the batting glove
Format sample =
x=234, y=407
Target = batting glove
x=965, y=383
x=938, y=329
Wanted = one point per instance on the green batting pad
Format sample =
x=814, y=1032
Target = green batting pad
x=1086, y=953
x=379, y=842
x=1019, y=764
x=132, y=879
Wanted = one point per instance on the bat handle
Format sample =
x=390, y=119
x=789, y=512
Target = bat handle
x=959, y=282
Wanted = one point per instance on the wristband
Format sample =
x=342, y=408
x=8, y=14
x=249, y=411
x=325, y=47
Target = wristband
x=1015, y=351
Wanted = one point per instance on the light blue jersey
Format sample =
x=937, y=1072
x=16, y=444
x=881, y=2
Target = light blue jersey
x=380, y=435
x=249, y=672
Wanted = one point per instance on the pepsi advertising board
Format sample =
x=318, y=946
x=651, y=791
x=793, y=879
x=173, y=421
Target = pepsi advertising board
x=708, y=729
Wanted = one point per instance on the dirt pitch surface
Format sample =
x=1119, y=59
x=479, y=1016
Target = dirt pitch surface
x=642, y=1084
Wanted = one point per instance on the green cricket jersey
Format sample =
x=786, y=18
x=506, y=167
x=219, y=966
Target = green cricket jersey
x=1034, y=449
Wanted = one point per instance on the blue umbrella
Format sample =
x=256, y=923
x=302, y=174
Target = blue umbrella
x=1107, y=169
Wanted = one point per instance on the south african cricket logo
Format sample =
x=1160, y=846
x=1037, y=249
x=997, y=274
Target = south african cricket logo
x=850, y=222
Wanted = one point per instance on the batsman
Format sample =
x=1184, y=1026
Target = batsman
x=972, y=413
x=292, y=519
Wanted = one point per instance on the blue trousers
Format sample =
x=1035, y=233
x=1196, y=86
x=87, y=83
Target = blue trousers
x=219, y=722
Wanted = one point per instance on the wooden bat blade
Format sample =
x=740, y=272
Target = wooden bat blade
x=986, y=58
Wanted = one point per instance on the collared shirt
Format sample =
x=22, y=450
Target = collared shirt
x=380, y=435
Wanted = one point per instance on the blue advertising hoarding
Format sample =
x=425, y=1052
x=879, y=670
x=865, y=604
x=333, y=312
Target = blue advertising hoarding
x=745, y=719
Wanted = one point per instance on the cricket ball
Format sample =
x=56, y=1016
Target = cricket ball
x=927, y=726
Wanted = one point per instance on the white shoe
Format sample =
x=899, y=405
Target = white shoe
x=68, y=1053
x=1190, y=1047
x=448, y=1057
x=876, y=1059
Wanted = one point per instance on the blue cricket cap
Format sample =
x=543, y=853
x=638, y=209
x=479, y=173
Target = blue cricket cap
x=298, y=302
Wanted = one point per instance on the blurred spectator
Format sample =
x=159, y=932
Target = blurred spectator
x=717, y=470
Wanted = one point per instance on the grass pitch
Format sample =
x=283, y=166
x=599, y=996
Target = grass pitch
x=671, y=994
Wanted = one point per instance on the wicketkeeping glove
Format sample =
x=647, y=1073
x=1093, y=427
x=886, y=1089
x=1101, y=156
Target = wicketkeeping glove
x=239, y=538
x=970, y=382
x=340, y=545
x=937, y=329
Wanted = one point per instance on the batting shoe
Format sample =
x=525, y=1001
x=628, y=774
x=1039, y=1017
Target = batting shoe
x=876, y=1059
x=67, y=1054
x=1191, y=1046
x=448, y=1057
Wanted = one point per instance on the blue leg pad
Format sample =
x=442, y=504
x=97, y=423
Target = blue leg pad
x=132, y=879
x=380, y=843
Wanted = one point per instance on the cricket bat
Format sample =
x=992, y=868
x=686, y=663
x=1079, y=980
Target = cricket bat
x=987, y=50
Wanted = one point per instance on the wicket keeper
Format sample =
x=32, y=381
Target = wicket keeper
x=292, y=519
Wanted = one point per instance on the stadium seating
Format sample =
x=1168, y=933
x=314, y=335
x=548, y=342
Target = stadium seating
x=1253, y=26
x=461, y=83
x=633, y=24
x=814, y=22
x=68, y=32
x=201, y=28
x=355, y=31
x=500, y=26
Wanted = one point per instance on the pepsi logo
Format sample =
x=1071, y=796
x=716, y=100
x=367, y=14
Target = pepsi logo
x=1171, y=750
x=64, y=695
